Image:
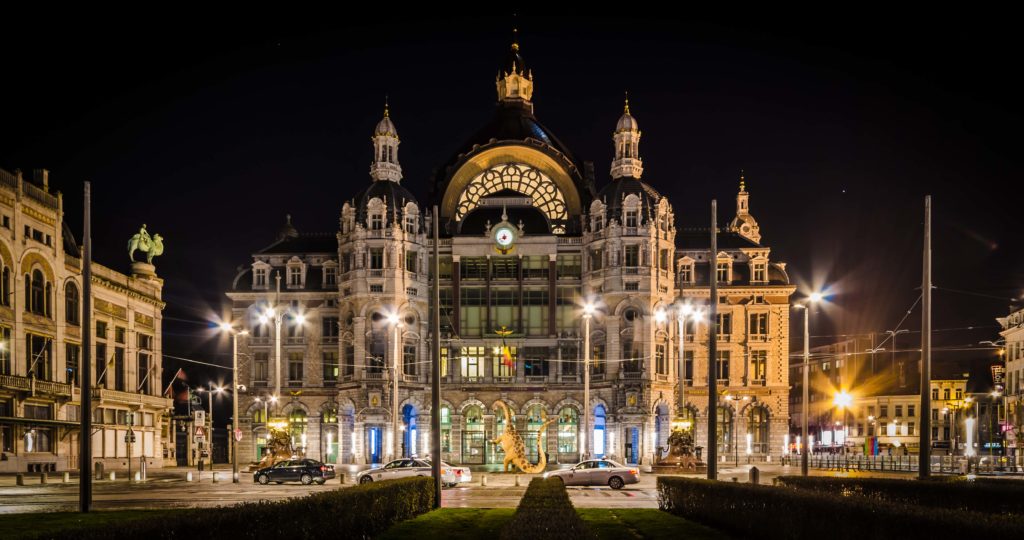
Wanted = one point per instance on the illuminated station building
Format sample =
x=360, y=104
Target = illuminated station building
x=527, y=240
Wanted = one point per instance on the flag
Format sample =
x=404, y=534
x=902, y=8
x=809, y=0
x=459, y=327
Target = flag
x=506, y=355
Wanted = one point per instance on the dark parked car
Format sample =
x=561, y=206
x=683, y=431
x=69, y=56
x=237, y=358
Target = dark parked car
x=306, y=471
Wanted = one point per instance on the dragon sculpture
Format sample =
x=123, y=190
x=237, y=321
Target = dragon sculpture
x=515, y=449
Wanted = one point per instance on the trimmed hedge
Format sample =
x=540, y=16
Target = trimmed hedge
x=358, y=512
x=755, y=511
x=545, y=512
x=955, y=493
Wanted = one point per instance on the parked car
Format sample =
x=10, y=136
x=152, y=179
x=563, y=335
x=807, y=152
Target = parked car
x=401, y=468
x=597, y=472
x=306, y=471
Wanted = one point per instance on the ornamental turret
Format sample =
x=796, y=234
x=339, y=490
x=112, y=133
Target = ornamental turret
x=385, y=150
x=627, y=162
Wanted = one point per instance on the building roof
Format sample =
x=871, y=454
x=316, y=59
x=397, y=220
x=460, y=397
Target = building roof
x=613, y=194
x=393, y=194
x=303, y=243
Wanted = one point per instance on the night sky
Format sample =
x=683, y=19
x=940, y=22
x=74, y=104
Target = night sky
x=211, y=129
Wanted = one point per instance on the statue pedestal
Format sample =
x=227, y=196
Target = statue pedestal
x=143, y=270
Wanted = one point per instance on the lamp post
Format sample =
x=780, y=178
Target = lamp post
x=805, y=403
x=227, y=327
x=277, y=316
x=395, y=323
x=588, y=313
x=842, y=401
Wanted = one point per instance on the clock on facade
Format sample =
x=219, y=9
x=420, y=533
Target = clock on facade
x=504, y=237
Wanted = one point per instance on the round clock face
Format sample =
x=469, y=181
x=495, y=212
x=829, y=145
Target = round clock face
x=504, y=236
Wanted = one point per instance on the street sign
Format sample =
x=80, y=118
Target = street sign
x=200, y=417
x=200, y=432
x=238, y=435
x=200, y=439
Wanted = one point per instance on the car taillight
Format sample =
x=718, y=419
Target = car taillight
x=458, y=472
x=634, y=471
x=323, y=468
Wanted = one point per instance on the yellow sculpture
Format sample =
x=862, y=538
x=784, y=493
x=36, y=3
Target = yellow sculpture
x=279, y=447
x=515, y=449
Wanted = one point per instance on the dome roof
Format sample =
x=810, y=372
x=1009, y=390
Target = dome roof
x=393, y=195
x=386, y=126
x=627, y=123
x=613, y=194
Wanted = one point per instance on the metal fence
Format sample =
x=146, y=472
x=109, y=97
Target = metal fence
x=909, y=463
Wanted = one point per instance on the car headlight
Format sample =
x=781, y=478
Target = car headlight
x=545, y=475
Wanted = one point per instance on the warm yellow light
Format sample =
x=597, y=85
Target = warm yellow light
x=273, y=399
x=392, y=319
x=264, y=319
x=660, y=316
x=300, y=319
x=686, y=309
x=843, y=399
x=588, y=309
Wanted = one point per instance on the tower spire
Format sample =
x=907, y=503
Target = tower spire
x=385, y=149
x=386, y=111
x=743, y=184
x=626, y=108
x=515, y=81
x=627, y=160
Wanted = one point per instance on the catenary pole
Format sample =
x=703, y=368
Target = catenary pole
x=924, y=453
x=435, y=386
x=85, y=411
x=713, y=348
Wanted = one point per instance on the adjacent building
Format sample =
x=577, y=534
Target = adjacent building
x=527, y=239
x=1012, y=332
x=41, y=343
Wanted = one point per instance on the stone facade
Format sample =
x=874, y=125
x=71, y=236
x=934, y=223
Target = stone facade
x=41, y=336
x=526, y=241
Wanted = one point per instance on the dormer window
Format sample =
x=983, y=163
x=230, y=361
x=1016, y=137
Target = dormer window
x=294, y=276
x=632, y=217
x=598, y=223
x=330, y=275
x=410, y=224
x=760, y=273
x=686, y=272
x=376, y=222
x=724, y=271
x=259, y=277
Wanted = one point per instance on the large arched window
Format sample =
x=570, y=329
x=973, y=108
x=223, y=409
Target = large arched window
x=71, y=304
x=297, y=429
x=534, y=421
x=473, y=439
x=724, y=430
x=757, y=428
x=568, y=425
x=517, y=177
x=35, y=286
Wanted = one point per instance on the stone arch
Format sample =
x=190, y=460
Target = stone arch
x=292, y=405
x=470, y=402
x=568, y=402
x=512, y=406
x=31, y=259
x=6, y=255
x=414, y=400
x=535, y=401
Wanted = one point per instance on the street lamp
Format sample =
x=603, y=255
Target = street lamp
x=588, y=313
x=227, y=327
x=683, y=311
x=395, y=323
x=813, y=298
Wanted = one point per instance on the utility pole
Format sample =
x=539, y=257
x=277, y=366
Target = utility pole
x=435, y=386
x=924, y=454
x=85, y=414
x=713, y=349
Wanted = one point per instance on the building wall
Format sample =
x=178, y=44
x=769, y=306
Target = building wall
x=40, y=390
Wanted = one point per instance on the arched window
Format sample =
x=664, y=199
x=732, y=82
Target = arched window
x=259, y=416
x=71, y=303
x=724, y=429
x=297, y=428
x=534, y=421
x=599, y=431
x=36, y=285
x=329, y=415
x=473, y=439
x=5, y=285
x=568, y=425
x=757, y=427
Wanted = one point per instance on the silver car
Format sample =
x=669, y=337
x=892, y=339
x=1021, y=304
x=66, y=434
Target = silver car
x=405, y=467
x=597, y=472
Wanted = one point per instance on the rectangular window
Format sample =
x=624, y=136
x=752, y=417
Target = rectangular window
x=723, y=366
x=472, y=315
x=935, y=415
x=535, y=311
x=759, y=324
x=686, y=273
x=410, y=224
x=5, y=350
x=444, y=362
x=630, y=356
x=38, y=412
x=569, y=266
x=911, y=409
x=119, y=369
x=330, y=366
x=505, y=268
x=960, y=393
x=259, y=277
x=723, y=272
x=660, y=362
x=329, y=329
x=632, y=285
x=725, y=323
x=945, y=394
x=119, y=334
x=504, y=366
x=72, y=359
x=899, y=411
x=376, y=288
x=101, y=330
x=350, y=360
x=473, y=268
x=663, y=259
x=688, y=365
x=38, y=361
x=910, y=428
x=376, y=222
x=330, y=275
x=535, y=361
x=596, y=259
x=597, y=359
x=758, y=366
x=144, y=375
x=760, y=273
x=376, y=258
x=631, y=256
x=632, y=217
x=935, y=394
x=295, y=369
x=883, y=411
x=409, y=359
x=101, y=365
x=504, y=308
x=535, y=267
x=410, y=261
x=472, y=363
x=295, y=276
x=260, y=367
x=568, y=354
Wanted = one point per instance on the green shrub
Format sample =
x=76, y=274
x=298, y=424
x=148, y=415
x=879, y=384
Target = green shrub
x=956, y=493
x=545, y=512
x=358, y=512
x=755, y=511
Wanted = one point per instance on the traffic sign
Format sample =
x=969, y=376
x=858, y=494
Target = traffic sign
x=200, y=432
x=238, y=435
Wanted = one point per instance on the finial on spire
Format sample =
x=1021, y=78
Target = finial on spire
x=386, y=111
x=627, y=102
x=743, y=183
x=515, y=39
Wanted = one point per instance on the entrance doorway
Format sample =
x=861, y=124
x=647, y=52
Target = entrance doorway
x=374, y=444
x=632, y=445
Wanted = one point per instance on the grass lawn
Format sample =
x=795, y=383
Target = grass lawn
x=606, y=523
x=632, y=523
x=453, y=524
x=15, y=526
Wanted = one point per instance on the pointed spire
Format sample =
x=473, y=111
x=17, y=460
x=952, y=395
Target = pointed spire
x=626, y=108
x=387, y=112
x=515, y=39
x=743, y=183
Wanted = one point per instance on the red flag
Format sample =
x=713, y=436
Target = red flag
x=178, y=376
x=506, y=356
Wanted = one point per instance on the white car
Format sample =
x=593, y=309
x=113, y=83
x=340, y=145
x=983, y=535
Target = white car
x=405, y=467
x=597, y=472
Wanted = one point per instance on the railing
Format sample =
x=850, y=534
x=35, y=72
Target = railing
x=373, y=375
x=259, y=340
x=536, y=378
x=631, y=375
x=597, y=376
x=472, y=379
x=757, y=382
x=569, y=378
x=103, y=394
x=662, y=376
x=412, y=378
x=15, y=382
x=52, y=388
x=376, y=272
x=631, y=270
x=759, y=338
x=329, y=339
x=505, y=379
x=8, y=179
x=39, y=195
x=295, y=340
x=570, y=241
x=724, y=337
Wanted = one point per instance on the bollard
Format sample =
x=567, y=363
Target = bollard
x=99, y=470
x=216, y=477
x=188, y=476
x=735, y=479
x=755, y=475
x=342, y=478
x=19, y=479
x=42, y=478
x=483, y=480
x=67, y=477
x=517, y=480
x=113, y=476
